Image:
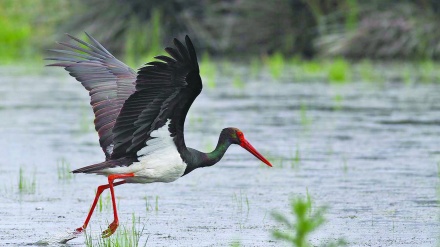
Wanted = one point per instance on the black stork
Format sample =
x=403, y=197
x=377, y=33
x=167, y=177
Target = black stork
x=140, y=116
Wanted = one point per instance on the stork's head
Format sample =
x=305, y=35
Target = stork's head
x=236, y=136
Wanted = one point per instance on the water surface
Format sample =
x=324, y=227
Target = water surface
x=369, y=152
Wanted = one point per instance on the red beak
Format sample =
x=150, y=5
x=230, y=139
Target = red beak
x=246, y=145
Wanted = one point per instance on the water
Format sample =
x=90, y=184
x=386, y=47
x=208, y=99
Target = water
x=367, y=152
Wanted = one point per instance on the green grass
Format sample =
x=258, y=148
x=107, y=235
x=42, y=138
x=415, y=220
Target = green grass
x=255, y=66
x=104, y=202
x=143, y=43
x=296, y=159
x=241, y=200
x=339, y=71
x=85, y=124
x=25, y=28
x=237, y=82
x=26, y=185
x=275, y=63
x=148, y=203
x=337, y=102
x=235, y=243
x=123, y=237
x=63, y=170
x=303, y=220
x=208, y=70
x=305, y=120
x=366, y=71
x=427, y=70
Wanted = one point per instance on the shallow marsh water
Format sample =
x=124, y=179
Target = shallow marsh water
x=369, y=152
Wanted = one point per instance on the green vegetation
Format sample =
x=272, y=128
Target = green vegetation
x=124, y=236
x=208, y=70
x=86, y=123
x=144, y=41
x=337, y=100
x=240, y=200
x=149, y=206
x=63, y=170
x=306, y=221
x=104, y=202
x=235, y=243
x=24, y=26
x=339, y=71
x=296, y=159
x=305, y=120
x=275, y=64
x=26, y=185
x=237, y=82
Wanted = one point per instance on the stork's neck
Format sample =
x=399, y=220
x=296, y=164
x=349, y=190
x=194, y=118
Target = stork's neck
x=216, y=155
x=197, y=159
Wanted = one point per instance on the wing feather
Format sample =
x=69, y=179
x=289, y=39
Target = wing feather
x=109, y=82
x=165, y=90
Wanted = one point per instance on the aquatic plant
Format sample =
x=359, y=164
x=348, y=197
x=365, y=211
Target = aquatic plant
x=339, y=71
x=104, y=202
x=156, y=207
x=275, y=64
x=255, y=66
x=26, y=185
x=366, y=71
x=123, y=237
x=305, y=120
x=144, y=41
x=235, y=243
x=427, y=69
x=208, y=70
x=297, y=158
x=85, y=124
x=337, y=100
x=63, y=170
x=149, y=206
x=305, y=222
x=237, y=82
x=344, y=165
x=241, y=199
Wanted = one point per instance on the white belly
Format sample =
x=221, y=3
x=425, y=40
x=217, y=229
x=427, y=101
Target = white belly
x=159, y=161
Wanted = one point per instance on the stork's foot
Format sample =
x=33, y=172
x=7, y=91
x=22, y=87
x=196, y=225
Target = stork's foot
x=110, y=230
x=79, y=230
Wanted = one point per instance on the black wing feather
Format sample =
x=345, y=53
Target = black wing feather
x=164, y=91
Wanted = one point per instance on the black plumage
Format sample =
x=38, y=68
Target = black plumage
x=128, y=108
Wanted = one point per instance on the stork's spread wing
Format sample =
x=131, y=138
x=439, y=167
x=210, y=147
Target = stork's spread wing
x=164, y=91
x=109, y=82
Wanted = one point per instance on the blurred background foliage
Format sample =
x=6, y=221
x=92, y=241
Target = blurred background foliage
x=136, y=29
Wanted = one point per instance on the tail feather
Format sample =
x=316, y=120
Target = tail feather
x=97, y=168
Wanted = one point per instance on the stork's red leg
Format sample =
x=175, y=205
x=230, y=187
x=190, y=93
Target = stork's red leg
x=114, y=225
x=99, y=191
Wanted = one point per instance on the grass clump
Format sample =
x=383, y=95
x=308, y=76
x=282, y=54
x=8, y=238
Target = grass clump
x=63, y=170
x=305, y=120
x=104, y=203
x=26, y=185
x=296, y=159
x=275, y=64
x=240, y=200
x=149, y=206
x=238, y=82
x=305, y=222
x=208, y=70
x=123, y=237
x=339, y=71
